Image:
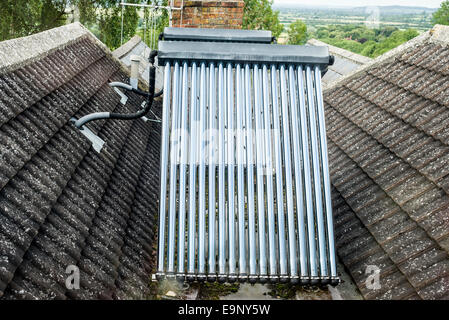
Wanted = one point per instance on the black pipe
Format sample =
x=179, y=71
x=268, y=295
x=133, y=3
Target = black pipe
x=146, y=94
x=158, y=94
x=107, y=115
x=153, y=54
x=147, y=108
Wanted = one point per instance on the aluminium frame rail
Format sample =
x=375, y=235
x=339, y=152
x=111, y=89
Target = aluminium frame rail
x=245, y=190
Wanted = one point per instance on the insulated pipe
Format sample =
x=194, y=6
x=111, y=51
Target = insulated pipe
x=283, y=272
x=316, y=173
x=269, y=173
x=173, y=168
x=250, y=176
x=305, y=141
x=326, y=182
x=221, y=176
x=240, y=173
x=128, y=87
x=132, y=116
x=212, y=161
x=202, y=180
x=303, y=268
x=163, y=174
x=194, y=124
x=258, y=110
x=288, y=179
x=231, y=173
x=182, y=171
x=110, y=115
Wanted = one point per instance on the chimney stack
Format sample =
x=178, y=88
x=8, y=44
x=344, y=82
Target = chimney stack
x=224, y=14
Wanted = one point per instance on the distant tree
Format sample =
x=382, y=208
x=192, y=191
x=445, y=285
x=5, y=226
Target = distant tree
x=19, y=18
x=259, y=15
x=297, y=32
x=388, y=30
x=104, y=18
x=441, y=16
x=363, y=40
x=87, y=11
x=368, y=48
x=162, y=21
x=322, y=32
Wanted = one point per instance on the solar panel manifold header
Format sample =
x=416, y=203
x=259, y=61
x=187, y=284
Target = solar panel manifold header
x=244, y=189
x=218, y=35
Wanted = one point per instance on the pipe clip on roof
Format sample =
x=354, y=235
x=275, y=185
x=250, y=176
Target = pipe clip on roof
x=251, y=53
x=123, y=97
x=97, y=142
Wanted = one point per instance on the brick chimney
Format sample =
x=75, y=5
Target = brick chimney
x=225, y=14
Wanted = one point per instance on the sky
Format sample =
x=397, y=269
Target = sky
x=361, y=3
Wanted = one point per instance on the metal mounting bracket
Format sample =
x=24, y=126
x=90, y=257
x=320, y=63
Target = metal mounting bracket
x=123, y=97
x=97, y=142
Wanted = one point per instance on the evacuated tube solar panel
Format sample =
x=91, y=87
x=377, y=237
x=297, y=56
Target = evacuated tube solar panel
x=245, y=191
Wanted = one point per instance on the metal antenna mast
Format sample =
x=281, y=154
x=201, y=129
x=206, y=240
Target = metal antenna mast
x=170, y=8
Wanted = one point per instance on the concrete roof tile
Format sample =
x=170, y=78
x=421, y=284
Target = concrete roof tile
x=389, y=118
x=65, y=180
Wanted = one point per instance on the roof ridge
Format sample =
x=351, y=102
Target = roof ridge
x=127, y=47
x=14, y=53
x=18, y=52
x=346, y=54
x=440, y=34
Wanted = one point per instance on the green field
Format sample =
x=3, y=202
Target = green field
x=367, y=31
x=394, y=16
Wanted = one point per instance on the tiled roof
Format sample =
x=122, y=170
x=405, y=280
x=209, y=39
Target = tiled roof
x=346, y=62
x=388, y=139
x=61, y=202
